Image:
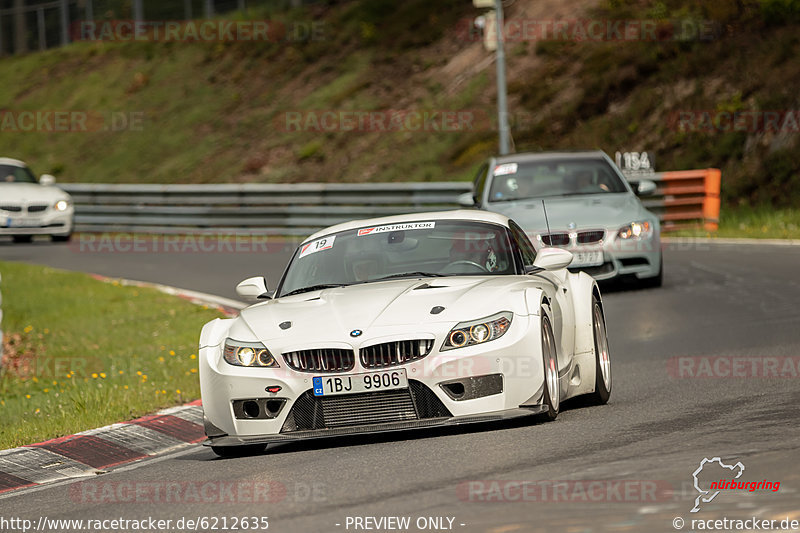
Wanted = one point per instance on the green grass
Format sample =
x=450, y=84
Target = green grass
x=752, y=223
x=82, y=353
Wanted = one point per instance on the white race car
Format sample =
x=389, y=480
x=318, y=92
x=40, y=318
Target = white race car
x=404, y=322
x=31, y=207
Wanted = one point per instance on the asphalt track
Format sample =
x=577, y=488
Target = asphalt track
x=737, y=303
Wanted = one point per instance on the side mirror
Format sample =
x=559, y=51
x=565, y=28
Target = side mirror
x=47, y=180
x=466, y=200
x=645, y=188
x=553, y=258
x=253, y=289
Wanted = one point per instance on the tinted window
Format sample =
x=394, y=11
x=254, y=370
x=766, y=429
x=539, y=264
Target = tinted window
x=15, y=174
x=554, y=177
x=524, y=244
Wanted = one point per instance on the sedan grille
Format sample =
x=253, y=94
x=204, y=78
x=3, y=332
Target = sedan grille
x=311, y=412
x=556, y=239
x=394, y=353
x=589, y=237
x=36, y=208
x=11, y=208
x=321, y=360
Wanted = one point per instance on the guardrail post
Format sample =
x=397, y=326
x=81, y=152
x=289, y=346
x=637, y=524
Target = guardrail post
x=711, y=204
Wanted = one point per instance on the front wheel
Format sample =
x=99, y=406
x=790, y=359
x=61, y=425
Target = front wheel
x=552, y=394
x=602, y=380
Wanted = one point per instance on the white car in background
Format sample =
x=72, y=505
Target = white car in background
x=404, y=322
x=31, y=207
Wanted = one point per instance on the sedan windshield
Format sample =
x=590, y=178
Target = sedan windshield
x=396, y=251
x=553, y=177
x=15, y=174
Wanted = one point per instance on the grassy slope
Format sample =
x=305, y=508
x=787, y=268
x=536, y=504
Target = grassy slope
x=82, y=353
x=211, y=110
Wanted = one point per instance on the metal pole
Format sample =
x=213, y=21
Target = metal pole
x=41, y=28
x=502, y=111
x=138, y=12
x=209, y=8
x=187, y=9
x=242, y=7
x=89, y=10
x=20, y=28
x=64, y=22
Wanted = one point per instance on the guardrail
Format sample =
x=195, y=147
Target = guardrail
x=682, y=199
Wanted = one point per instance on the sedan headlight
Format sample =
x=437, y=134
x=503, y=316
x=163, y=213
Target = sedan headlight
x=636, y=230
x=478, y=331
x=62, y=205
x=253, y=354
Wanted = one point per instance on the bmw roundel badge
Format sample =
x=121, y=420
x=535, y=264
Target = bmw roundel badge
x=356, y=333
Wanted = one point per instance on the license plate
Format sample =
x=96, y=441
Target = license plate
x=587, y=259
x=24, y=222
x=358, y=383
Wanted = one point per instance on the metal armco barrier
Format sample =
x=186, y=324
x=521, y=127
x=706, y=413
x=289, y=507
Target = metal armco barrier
x=682, y=199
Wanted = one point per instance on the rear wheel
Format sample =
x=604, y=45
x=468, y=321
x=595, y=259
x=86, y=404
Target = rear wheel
x=22, y=238
x=552, y=394
x=602, y=380
x=61, y=238
x=238, y=451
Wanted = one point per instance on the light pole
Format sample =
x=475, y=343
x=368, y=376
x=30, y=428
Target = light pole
x=494, y=22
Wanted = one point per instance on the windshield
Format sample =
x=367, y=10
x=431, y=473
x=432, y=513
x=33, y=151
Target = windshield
x=15, y=174
x=414, y=249
x=553, y=177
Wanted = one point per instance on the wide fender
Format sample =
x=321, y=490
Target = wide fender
x=582, y=287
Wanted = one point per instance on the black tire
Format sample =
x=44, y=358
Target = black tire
x=238, y=451
x=22, y=238
x=60, y=238
x=550, y=362
x=602, y=361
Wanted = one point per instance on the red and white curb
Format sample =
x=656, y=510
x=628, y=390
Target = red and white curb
x=91, y=452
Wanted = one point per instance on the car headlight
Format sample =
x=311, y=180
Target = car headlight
x=478, y=331
x=253, y=354
x=636, y=230
x=61, y=205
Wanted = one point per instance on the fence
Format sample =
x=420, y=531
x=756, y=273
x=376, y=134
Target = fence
x=26, y=25
x=682, y=199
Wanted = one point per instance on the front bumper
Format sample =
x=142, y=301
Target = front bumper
x=498, y=378
x=48, y=222
x=639, y=258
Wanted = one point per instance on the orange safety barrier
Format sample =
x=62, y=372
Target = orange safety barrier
x=685, y=198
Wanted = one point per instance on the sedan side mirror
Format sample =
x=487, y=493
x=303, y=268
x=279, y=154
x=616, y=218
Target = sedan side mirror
x=553, y=258
x=47, y=180
x=645, y=188
x=466, y=200
x=253, y=289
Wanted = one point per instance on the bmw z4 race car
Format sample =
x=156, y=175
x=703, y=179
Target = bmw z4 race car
x=404, y=322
